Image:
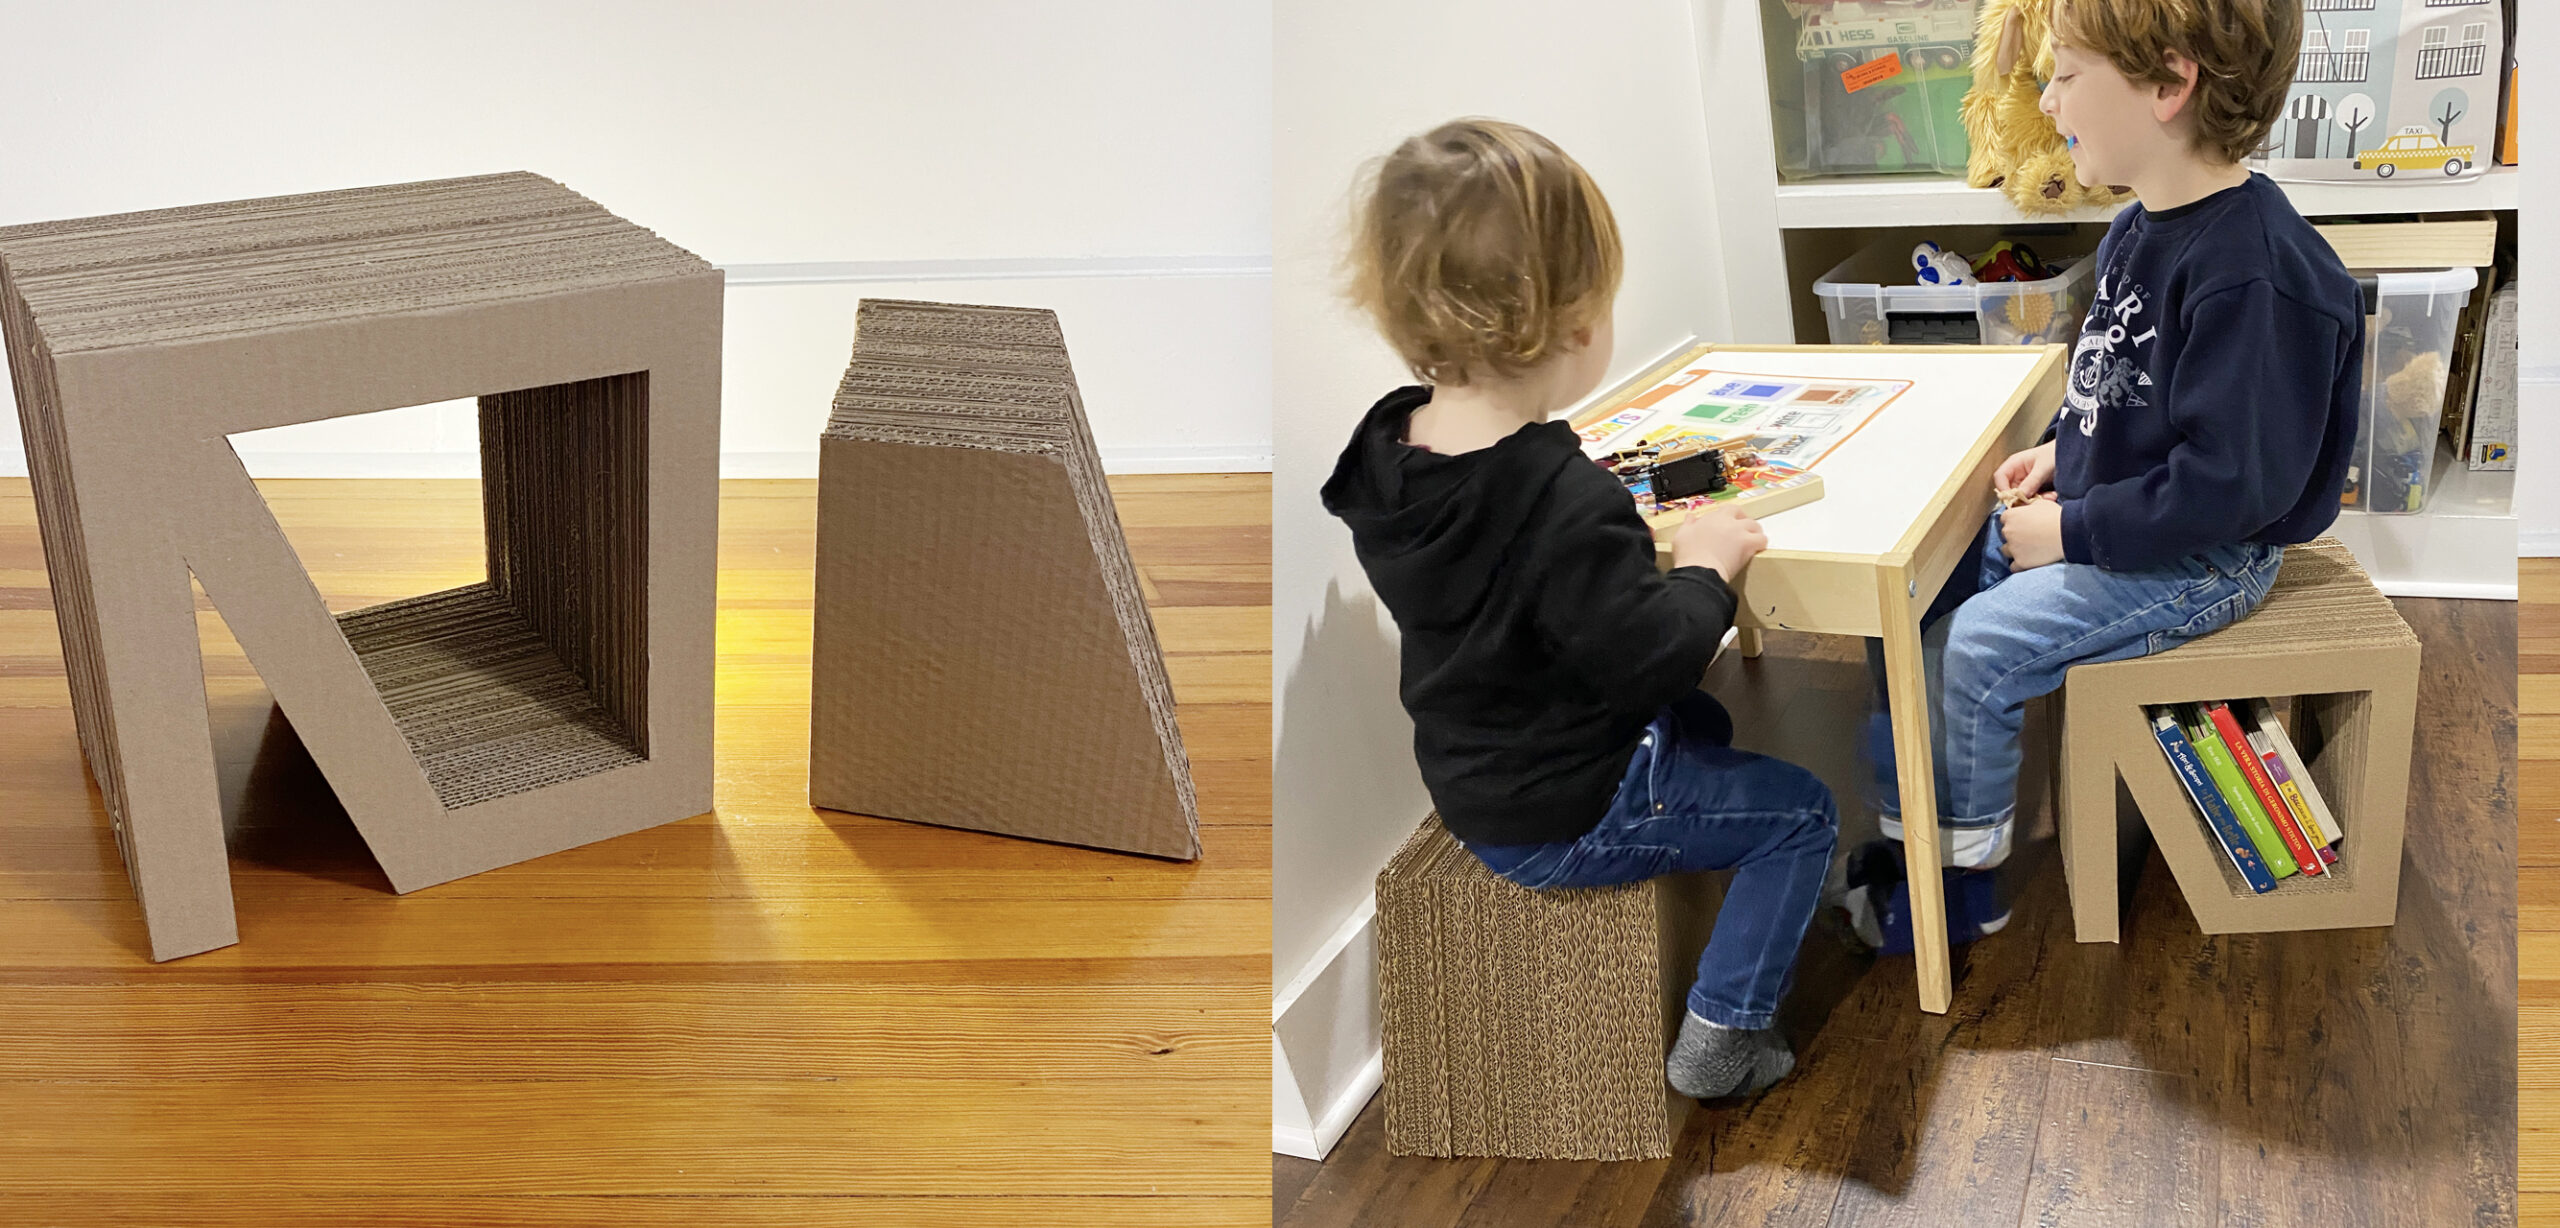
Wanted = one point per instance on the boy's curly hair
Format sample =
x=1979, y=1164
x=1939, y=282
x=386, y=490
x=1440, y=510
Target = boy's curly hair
x=2244, y=51
x=1481, y=249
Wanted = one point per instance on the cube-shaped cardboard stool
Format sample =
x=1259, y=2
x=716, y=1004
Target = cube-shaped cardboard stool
x=564, y=700
x=1531, y=1024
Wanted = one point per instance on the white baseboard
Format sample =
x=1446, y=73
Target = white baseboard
x=2538, y=544
x=1324, y=1024
x=1316, y=1143
x=1232, y=458
x=1031, y=268
x=2455, y=591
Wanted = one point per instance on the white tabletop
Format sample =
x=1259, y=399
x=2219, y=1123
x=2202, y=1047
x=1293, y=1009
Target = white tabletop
x=1880, y=480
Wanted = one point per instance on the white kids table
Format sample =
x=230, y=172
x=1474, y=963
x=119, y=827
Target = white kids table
x=1902, y=499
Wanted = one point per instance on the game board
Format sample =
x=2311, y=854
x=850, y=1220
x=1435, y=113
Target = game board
x=1786, y=425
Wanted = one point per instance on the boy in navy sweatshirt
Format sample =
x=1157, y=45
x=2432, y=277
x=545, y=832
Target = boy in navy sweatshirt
x=2211, y=402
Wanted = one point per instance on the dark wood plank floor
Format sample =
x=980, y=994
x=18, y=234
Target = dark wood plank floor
x=2357, y=1077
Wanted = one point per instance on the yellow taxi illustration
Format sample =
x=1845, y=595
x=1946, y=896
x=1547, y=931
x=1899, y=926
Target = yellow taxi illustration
x=2417, y=149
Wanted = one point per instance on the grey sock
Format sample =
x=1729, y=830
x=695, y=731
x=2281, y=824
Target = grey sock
x=1711, y=1060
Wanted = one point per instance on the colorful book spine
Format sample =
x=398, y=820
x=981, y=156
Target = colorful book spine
x=2235, y=791
x=2254, y=771
x=2265, y=713
x=2217, y=814
x=2292, y=794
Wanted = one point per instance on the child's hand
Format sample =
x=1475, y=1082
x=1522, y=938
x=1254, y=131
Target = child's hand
x=2026, y=473
x=2031, y=534
x=1718, y=537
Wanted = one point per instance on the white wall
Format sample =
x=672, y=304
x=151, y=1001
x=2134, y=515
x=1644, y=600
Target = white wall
x=1111, y=160
x=2537, y=306
x=1614, y=82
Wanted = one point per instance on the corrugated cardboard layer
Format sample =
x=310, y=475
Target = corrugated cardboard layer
x=1527, y=1023
x=984, y=657
x=565, y=700
x=482, y=698
x=249, y=266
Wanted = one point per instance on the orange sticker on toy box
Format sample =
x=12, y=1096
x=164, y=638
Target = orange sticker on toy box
x=1882, y=68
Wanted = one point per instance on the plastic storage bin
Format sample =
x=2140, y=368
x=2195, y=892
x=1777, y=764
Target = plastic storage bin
x=1869, y=300
x=1877, y=87
x=2408, y=351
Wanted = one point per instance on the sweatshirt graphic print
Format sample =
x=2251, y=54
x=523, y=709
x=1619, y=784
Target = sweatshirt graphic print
x=2213, y=393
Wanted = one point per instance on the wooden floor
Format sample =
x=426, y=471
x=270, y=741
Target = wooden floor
x=767, y=1015
x=2538, y=891
x=2330, y=1078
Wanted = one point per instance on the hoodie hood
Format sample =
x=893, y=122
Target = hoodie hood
x=1432, y=530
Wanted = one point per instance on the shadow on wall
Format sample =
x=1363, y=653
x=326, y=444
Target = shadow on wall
x=1345, y=791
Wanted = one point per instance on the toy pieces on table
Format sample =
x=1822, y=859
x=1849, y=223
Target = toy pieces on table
x=1757, y=491
x=1936, y=266
x=1700, y=472
x=1682, y=469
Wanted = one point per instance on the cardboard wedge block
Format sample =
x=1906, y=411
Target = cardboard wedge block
x=2326, y=639
x=1531, y=1024
x=565, y=699
x=983, y=655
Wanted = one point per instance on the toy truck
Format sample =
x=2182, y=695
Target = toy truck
x=1926, y=33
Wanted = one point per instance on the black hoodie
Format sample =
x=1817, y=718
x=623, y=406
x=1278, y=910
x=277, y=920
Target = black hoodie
x=1539, y=639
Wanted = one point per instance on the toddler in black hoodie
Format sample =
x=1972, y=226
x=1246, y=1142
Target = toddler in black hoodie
x=1550, y=669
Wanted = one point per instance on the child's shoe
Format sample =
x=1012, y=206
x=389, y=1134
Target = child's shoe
x=1877, y=904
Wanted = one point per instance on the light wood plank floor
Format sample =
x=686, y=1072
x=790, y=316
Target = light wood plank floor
x=768, y=1015
x=2325, y=1079
x=2538, y=891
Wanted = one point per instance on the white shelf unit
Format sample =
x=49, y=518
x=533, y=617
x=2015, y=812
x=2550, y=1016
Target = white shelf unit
x=2462, y=545
x=1910, y=200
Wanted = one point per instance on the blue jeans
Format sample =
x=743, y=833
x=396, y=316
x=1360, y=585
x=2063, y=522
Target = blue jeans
x=1689, y=802
x=1996, y=640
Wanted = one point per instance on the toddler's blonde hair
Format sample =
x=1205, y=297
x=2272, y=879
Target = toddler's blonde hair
x=1481, y=249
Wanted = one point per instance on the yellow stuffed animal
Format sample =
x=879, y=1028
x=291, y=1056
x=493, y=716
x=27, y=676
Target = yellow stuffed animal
x=2014, y=147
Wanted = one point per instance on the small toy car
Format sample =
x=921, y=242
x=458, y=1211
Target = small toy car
x=2417, y=149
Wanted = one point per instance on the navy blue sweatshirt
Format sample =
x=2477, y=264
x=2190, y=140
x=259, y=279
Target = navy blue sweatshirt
x=2214, y=392
x=1538, y=638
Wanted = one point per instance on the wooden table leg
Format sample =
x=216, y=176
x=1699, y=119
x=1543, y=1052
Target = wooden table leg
x=1748, y=640
x=1907, y=690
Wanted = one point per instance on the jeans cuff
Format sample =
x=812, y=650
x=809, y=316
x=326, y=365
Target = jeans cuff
x=1726, y=1017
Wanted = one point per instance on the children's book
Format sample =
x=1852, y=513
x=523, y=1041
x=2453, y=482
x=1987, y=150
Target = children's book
x=2217, y=813
x=2235, y=791
x=2264, y=714
x=2292, y=795
x=2253, y=770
